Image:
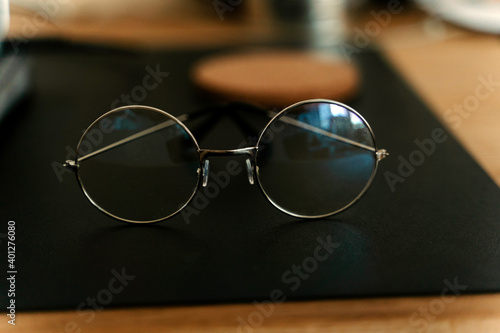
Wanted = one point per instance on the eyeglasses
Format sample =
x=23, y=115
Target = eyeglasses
x=140, y=164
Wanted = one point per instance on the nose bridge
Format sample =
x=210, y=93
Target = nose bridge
x=206, y=153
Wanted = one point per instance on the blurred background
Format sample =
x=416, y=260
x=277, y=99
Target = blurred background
x=442, y=49
x=156, y=22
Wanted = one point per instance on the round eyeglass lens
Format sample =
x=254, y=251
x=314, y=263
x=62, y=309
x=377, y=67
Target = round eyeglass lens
x=138, y=164
x=316, y=158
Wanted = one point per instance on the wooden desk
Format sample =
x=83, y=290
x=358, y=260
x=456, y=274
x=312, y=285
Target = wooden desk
x=444, y=64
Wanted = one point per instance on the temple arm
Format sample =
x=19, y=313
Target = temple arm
x=382, y=153
x=310, y=128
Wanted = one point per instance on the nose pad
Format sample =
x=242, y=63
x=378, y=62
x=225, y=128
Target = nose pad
x=250, y=172
x=205, y=172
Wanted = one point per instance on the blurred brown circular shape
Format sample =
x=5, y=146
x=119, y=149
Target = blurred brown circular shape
x=276, y=78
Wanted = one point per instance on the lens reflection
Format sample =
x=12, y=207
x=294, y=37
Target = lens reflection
x=138, y=164
x=315, y=159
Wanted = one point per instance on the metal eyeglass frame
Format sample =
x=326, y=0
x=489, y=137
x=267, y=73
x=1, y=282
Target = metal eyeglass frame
x=204, y=154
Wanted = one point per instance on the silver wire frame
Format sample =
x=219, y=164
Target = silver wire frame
x=204, y=154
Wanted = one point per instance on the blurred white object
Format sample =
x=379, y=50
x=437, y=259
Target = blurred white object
x=14, y=70
x=319, y=23
x=482, y=15
x=327, y=22
x=4, y=18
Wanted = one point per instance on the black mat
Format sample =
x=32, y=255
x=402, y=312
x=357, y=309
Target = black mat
x=439, y=227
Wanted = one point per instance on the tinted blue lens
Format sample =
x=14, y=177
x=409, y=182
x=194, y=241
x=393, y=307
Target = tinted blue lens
x=149, y=175
x=316, y=158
